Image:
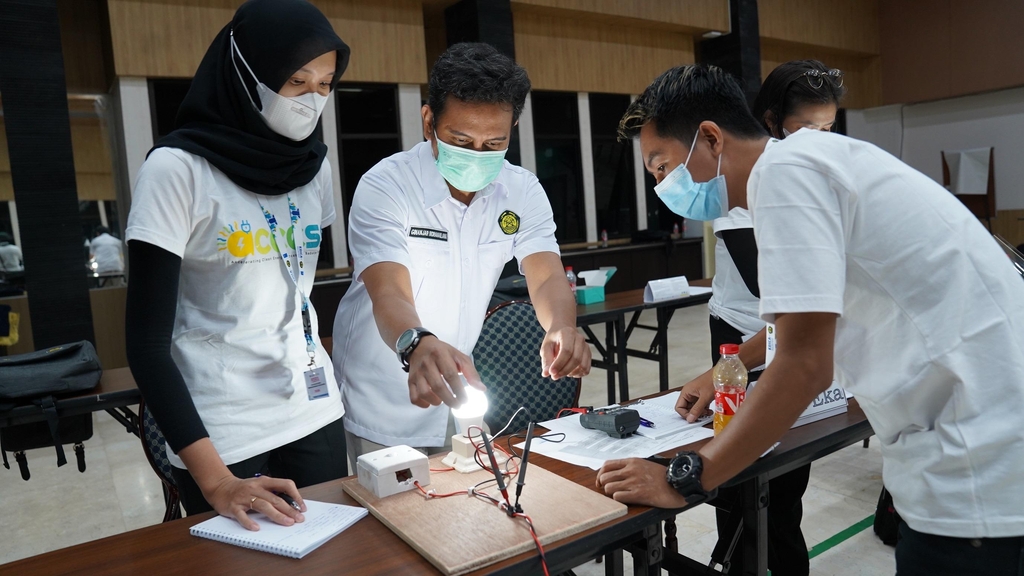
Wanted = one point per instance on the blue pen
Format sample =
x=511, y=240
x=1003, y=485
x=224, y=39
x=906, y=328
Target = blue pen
x=646, y=423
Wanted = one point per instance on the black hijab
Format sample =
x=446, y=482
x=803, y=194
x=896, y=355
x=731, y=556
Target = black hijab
x=218, y=122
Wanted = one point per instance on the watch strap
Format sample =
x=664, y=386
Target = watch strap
x=420, y=334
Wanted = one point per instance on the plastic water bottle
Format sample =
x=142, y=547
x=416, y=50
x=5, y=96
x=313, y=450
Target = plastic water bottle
x=675, y=230
x=571, y=277
x=730, y=378
x=604, y=238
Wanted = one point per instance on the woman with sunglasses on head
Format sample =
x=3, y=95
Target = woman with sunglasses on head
x=796, y=95
x=223, y=236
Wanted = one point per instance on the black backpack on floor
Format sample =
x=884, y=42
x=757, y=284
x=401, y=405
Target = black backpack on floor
x=887, y=519
x=39, y=378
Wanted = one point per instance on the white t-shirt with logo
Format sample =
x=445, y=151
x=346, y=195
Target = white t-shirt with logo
x=403, y=212
x=107, y=251
x=238, y=337
x=930, y=336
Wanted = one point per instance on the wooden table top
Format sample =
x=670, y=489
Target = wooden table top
x=369, y=547
x=617, y=303
x=116, y=389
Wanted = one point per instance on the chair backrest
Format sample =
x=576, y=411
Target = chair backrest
x=507, y=356
x=156, y=448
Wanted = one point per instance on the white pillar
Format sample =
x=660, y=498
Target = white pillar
x=527, y=144
x=15, y=228
x=136, y=124
x=587, y=156
x=329, y=120
x=639, y=183
x=102, y=207
x=409, y=120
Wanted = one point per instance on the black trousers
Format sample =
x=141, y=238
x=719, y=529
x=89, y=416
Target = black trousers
x=787, y=549
x=920, y=554
x=316, y=458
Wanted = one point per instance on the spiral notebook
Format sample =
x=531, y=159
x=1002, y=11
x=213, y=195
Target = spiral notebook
x=323, y=522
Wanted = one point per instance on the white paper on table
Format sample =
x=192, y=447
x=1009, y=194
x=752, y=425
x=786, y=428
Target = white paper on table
x=592, y=448
x=661, y=411
x=666, y=289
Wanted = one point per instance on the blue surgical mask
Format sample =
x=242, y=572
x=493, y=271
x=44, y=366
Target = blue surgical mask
x=468, y=170
x=694, y=200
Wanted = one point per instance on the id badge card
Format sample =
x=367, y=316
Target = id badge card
x=316, y=384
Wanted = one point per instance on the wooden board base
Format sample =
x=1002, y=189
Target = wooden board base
x=464, y=533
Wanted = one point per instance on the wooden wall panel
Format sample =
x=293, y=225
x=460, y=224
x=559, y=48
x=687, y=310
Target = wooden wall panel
x=168, y=38
x=1010, y=225
x=986, y=47
x=85, y=44
x=693, y=15
x=93, y=170
x=950, y=49
x=863, y=75
x=915, y=59
x=848, y=25
x=108, y=325
x=581, y=55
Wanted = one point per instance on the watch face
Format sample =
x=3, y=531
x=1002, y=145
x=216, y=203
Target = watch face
x=405, y=340
x=682, y=467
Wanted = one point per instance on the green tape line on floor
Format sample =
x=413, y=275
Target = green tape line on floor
x=841, y=537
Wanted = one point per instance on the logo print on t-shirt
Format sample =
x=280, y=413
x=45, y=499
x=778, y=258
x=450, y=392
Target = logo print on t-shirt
x=242, y=241
x=509, y=222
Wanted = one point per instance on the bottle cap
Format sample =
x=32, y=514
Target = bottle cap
x=568, y=268
x=729, y=349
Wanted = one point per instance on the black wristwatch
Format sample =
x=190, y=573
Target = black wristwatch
x=683, y=474
x=408, y=342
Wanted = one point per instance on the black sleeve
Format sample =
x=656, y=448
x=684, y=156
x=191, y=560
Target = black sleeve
x=149, y=322
x=743, y=250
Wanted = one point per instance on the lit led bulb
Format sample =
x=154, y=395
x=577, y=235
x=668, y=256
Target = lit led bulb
x=473, y=408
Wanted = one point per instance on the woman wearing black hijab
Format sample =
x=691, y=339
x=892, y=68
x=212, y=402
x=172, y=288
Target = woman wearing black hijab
x=226, y=220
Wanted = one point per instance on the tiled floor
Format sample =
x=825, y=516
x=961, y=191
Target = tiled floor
x=119, y=492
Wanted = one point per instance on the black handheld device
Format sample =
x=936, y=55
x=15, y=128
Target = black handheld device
x=616, y=422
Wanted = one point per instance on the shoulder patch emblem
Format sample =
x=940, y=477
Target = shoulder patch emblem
x=509, y=222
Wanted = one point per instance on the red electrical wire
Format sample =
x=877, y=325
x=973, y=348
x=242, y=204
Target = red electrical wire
x=433, y=494
x=501, y=506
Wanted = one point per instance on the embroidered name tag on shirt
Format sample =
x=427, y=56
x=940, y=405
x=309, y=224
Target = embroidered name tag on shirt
x=440, y=235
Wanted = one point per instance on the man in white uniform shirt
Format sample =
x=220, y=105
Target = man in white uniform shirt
x=872, y=271
x=430, y=230
x=106, y=251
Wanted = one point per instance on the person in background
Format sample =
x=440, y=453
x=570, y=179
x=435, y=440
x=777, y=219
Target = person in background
x=874, y=274
x=796, y=95
x=223, y=235
x=105, y=251
x=430, y=230
x=11, y=260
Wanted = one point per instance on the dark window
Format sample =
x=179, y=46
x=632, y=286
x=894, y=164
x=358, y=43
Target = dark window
x=112, y=222
x=368, y=132
x=5, y=219
x=556, y=131
x=614, y=184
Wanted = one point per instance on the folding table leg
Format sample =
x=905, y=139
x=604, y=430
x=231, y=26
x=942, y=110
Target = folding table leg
x=755, y=526
x=647, y=552
x=611, y=359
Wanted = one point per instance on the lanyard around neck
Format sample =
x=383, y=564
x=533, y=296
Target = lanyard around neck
x=297, y=272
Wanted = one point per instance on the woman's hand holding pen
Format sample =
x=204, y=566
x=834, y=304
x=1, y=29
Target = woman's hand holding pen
x=235, y=497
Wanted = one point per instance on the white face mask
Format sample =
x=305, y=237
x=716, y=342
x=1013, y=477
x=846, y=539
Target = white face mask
x=294, y=118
